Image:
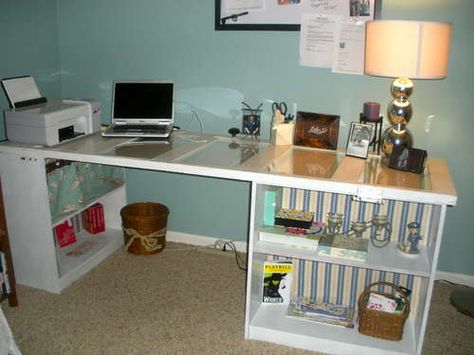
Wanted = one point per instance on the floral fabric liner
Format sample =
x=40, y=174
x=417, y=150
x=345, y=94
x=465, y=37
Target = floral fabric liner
x=72, y=186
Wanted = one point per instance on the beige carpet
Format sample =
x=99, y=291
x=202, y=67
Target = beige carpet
x=178, y=302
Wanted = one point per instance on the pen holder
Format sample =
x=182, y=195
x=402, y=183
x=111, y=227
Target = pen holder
x=283, y=134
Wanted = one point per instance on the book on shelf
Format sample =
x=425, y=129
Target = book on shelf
x=76, y=222
x=277, y=278
x=340, y=246
x=321, y=312
x=64, y=234
x=279, y=235
x=4, y=283
x=93, y=219
x=3, y=262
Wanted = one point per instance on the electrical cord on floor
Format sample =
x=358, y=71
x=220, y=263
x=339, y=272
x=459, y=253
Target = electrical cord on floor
x=234, y=249
x=218, y=245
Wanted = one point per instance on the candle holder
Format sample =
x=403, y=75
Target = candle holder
x=334, y=224
x=375, y=142
x=359, y=227
x=383, y=230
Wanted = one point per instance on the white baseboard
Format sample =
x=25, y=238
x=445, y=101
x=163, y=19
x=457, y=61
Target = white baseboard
x=200, y=240
x=241, y=246
x=462, y=279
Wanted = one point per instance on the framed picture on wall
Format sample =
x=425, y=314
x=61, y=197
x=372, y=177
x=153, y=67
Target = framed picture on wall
x=316, y=130
x=285, y=15
x=360, y=135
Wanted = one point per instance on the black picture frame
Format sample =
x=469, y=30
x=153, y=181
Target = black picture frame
x=408, y=159
x=224, y=22
x=251, y=123
x=358, y=141
x=229, y=25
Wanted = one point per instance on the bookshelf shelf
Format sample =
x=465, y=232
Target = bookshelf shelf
x=271, y=323
x=384, y=259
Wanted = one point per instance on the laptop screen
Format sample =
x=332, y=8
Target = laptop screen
x=143, y=102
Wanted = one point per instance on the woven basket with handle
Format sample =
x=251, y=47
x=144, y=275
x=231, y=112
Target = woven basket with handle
x=388, y=326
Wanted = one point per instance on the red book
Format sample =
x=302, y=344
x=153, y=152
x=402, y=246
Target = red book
x=93, y=219
x=65, y=234
x=99, y=223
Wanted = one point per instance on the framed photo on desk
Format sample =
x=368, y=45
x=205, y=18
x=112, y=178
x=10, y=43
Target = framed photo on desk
x=316, y=130
x=360, y=136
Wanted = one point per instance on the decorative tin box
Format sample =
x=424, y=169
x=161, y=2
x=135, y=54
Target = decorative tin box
x=294, y=218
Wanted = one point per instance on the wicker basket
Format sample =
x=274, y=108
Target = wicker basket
x=388, y=326
x=144, y=227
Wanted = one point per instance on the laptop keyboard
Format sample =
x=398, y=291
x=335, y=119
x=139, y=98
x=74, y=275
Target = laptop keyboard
x=141, y=128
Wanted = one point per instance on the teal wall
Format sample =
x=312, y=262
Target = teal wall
x=29, y=45
x=103, y=40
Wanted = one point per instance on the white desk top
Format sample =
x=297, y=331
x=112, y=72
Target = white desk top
x=247, y=159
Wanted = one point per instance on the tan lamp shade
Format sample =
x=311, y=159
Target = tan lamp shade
x=412, y=49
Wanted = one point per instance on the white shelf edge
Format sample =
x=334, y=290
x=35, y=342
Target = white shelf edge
x=392, y=259
x=272, y=324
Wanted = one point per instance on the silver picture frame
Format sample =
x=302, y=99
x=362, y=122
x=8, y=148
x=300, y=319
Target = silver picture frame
x=358, y=143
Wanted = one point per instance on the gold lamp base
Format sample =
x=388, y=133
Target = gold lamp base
x=399, y=114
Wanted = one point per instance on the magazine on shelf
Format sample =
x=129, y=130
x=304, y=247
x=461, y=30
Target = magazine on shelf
x=343, y=247
x=322, y=312
x=277, y=278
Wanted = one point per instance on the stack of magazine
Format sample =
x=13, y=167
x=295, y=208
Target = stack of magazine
x=322, y=312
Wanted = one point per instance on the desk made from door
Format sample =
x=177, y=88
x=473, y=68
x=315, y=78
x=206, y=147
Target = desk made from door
x=318, y=180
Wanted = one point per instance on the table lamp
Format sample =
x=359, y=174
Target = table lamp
x=403, y=50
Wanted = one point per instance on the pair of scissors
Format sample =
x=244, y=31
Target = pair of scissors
x=281, y=107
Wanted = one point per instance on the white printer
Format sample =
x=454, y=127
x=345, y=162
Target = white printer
x=34, y=120
x=53, y=122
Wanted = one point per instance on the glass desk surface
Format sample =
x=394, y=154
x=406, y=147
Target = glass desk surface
x=156, y=149
x=376, y=173
x=307, y=163
x=225, y=153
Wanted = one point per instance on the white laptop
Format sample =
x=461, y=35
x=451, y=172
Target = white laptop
x=142, y=109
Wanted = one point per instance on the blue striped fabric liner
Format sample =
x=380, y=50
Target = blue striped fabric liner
x=400, y=213
x=342, y=284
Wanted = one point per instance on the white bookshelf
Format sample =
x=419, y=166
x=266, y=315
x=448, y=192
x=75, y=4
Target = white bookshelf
x=327, y=275
x=38, y=261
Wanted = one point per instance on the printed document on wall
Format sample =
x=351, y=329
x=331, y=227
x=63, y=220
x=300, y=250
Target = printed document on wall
x=349, y=47
x=317, y=40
